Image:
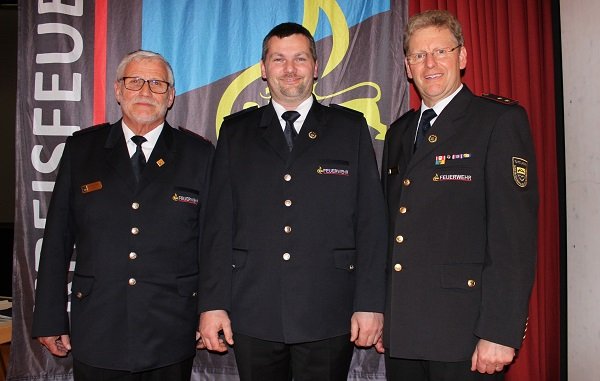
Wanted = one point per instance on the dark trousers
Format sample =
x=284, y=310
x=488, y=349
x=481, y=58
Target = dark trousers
x=323, y=360
x=423, y=370
x=181, y=371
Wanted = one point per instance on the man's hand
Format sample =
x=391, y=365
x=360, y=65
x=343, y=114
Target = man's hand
x=379, y=345
x=57, y=345
x=366, y=328
x=490, y=357
x=211, y=323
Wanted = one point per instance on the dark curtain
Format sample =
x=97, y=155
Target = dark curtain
x=510, y=53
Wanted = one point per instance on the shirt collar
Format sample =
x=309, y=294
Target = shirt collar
x=148, y=145
x=439, y=107
x=303, y=108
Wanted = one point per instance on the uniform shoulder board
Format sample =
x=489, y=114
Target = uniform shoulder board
x=91, y=129
x=241, y=112
x=499, y=99
x=344, y=108
x=193, y=134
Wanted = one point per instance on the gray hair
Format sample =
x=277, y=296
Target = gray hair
x=140, y=55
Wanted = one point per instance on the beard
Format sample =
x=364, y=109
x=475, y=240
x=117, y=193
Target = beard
x=293, y=91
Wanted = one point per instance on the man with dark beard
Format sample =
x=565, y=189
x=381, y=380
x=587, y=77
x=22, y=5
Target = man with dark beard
x=296, y=243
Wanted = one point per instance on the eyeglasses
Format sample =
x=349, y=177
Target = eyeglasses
x=135, y=84
x=437, y=54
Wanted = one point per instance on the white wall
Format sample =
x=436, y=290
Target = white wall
x=581, y=79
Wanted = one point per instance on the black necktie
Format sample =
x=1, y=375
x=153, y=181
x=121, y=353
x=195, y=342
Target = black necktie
x=138, y=160
x=424, y=126
x=289, y=131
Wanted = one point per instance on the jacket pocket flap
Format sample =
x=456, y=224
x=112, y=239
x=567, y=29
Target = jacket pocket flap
x=345, y=259
x=464, y=276
x=82, y=286
x=188, y=285
x=239, y=258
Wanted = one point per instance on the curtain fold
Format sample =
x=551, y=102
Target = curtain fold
x=510, y=53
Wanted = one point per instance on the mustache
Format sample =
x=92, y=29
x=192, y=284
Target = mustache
x=148, y=100
x=290, y=76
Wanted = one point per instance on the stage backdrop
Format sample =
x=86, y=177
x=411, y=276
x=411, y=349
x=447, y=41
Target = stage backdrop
x=68, y=55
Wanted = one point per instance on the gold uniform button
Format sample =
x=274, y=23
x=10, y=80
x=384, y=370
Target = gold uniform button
x=132, y=255
x=287, y=229
x=132, y=281
x=287, y=177
x=471, y=283
x=135, y=205
x=287, y=202
x=406, y=182
x=402, y=210
x=135, y=231
x=79, y=295
x=399, y=239
x=397, y=267
x=286, y=256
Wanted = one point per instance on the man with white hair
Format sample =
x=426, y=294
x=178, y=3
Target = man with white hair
x=130, y=197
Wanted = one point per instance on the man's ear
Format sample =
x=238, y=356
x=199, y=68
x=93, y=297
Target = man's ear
x=408, y=71
x=118, y=94
x=263, y=71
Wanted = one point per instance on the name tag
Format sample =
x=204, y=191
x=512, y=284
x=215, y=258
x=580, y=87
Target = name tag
x=91, y=187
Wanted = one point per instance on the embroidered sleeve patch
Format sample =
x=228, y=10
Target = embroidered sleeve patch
x=519, y=167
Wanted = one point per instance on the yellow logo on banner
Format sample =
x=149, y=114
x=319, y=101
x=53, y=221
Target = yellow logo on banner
x=341, y=40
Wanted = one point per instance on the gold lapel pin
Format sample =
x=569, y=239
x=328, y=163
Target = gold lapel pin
x=432, y=138
x=160, y=162
x=312, y=135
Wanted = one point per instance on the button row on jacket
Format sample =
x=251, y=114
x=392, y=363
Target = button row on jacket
x=134, y=231
x=287, y=229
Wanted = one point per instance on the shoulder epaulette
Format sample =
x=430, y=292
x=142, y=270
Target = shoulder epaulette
x=241, y=112
x=344, y=108
x=91, y=129
x=193, y=134
x=499, y=99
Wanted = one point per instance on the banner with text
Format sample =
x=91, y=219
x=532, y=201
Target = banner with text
x=68, y=54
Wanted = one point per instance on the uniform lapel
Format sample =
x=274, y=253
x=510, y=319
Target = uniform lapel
x=161, y=157
x=445, y=126
x=311, y=130
x=117, y=155
x=408, y=138
x=272, y=132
